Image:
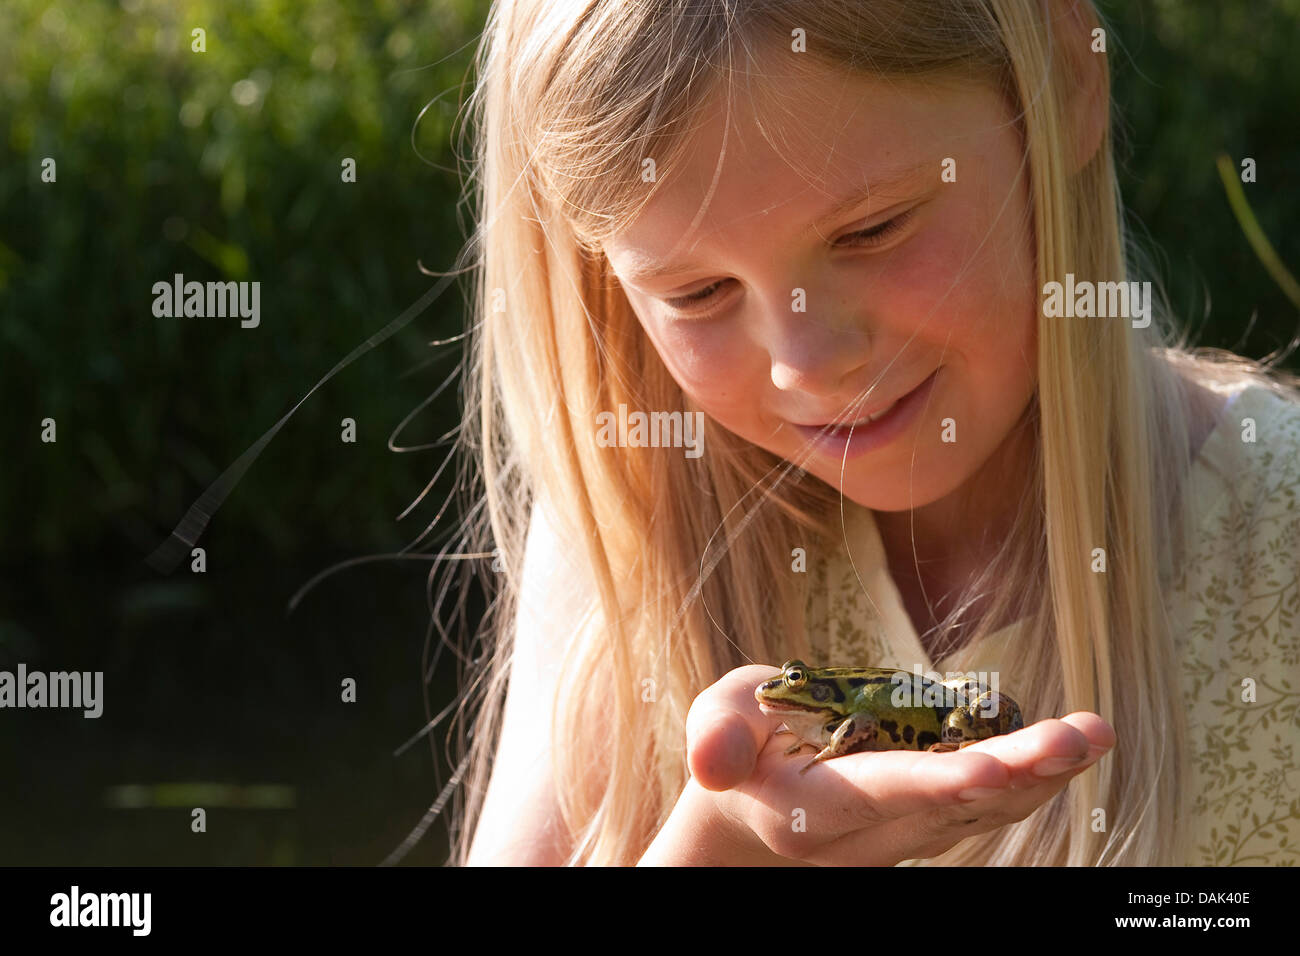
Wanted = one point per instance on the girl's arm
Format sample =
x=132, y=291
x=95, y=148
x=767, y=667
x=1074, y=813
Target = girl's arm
x=520, y=824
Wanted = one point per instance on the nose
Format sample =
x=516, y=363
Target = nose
x=812, y=356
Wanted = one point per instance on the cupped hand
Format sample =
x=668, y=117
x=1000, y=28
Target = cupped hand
x=877, y=808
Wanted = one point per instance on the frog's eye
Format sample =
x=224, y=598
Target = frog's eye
x=794, y=677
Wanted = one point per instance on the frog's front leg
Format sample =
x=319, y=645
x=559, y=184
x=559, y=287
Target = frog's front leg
x=794, y=747
x=852, y=731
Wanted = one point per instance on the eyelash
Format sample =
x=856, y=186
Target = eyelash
x=875, y=235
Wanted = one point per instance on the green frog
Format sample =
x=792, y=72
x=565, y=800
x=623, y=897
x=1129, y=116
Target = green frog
x=844, y=710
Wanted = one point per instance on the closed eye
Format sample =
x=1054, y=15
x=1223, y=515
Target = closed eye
x=863, y=238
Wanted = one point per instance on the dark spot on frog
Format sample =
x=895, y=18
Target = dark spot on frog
x=908, y=733
x=872, y=680
x=822, y=688
x=890, y=727
x=856, y=681
x=925, y=738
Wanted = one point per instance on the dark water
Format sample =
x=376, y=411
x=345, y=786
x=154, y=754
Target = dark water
x=207, y=683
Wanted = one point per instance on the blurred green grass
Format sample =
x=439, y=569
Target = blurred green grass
x=1191, y=81
x=218, y=165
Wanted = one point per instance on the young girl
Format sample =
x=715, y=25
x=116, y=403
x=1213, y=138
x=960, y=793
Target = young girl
x=829, y=228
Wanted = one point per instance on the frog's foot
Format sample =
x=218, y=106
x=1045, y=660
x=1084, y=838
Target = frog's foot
x=794, y=747
x=949, y=747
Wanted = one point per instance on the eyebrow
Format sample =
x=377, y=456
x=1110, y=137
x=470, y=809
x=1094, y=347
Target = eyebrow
x=644, y=267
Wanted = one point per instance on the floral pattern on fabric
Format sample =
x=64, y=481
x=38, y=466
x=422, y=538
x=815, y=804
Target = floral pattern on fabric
x=1233, y=602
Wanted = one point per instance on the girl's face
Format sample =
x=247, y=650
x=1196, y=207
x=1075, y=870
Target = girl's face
x=915, y=300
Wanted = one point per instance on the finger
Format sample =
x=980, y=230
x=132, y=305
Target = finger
x=886, y=785
x=795, y=814
x=1050, y=747
x=931, y=833
x=725, y=729
x=856, y=791
x=1101, y=735
x=925, y=781
x=918, y=804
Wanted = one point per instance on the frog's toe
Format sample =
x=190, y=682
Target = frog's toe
x=943, y=748
x=805, y=768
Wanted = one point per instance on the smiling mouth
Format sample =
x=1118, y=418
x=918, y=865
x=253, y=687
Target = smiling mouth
x=833, y=428
x=862, y=421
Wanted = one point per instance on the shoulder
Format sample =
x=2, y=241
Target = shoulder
x=1236, y=593
x=1259, y=429
x=1234, y=616
x=521, y=822
x=1246, y=474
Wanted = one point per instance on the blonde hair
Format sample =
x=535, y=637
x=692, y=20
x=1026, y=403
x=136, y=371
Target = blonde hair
x=571, y=97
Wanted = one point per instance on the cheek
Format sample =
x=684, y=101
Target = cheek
x=968, y=289
x=713, y=364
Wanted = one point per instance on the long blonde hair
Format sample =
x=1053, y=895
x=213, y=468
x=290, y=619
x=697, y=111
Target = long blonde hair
x=689, y=559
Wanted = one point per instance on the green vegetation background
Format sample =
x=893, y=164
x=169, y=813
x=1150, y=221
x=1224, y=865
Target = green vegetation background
x=225, y=165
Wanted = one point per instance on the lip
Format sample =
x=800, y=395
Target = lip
x=841, y=442
x=862, y=417
x=781, y=707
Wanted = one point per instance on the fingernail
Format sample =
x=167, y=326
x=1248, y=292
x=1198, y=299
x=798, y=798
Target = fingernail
x=978, y=793
x=1054, y=765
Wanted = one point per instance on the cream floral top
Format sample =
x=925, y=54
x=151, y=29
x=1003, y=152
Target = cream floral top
x=1233, y=604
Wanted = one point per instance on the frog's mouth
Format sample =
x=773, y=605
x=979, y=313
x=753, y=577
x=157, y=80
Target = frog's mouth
x=784, y=707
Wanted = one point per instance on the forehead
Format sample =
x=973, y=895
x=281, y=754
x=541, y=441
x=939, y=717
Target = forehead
x=758, y=170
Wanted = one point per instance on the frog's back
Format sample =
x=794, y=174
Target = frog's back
x=858, y=676
x=901, y=728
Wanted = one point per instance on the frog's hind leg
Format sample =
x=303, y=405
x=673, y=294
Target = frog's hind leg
x=986, y=715
x=969, y=724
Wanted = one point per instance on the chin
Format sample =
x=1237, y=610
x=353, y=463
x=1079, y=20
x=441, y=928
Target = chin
x=896, y=496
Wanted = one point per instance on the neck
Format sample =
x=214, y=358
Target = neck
x=933, y=551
